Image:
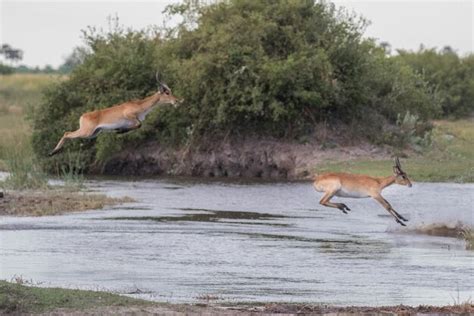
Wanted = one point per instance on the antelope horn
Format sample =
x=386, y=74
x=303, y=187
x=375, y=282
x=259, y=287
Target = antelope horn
x=397, y=164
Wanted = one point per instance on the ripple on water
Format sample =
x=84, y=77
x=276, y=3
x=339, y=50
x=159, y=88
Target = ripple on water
x=253, y=242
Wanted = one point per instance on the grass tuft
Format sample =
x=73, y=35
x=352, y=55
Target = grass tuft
x=468, y=235
x=24, y=172
x=19, y=299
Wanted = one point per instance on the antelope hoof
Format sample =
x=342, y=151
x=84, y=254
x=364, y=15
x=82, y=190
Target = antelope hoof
x=401, y=223
x=54, y=152
x=342, y=207
x=346, y=207
x=403, y=219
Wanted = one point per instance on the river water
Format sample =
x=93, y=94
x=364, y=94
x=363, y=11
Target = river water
x=184, y=241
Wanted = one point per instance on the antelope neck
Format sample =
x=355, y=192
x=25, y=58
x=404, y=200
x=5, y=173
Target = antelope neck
x=151, y=101
x=387, y=181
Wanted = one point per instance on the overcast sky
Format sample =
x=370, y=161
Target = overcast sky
x=47, y=31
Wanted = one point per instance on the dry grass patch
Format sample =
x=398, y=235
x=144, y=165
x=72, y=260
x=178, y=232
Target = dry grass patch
x=54, y=202
x=468, y=235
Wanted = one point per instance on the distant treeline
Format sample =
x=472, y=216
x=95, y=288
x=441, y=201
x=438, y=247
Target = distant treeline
x=260, y=67
x=16, y=55
x=23, y=69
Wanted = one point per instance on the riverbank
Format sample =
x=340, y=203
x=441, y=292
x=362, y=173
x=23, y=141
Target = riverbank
x=448, y=158
x=245, y=158
x=20, y=299
x=53, y=202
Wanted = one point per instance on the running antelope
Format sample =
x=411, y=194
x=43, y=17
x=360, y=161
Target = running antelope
x=120, y=118
x=360, y=186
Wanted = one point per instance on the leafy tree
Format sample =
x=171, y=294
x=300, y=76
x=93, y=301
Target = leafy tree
x=11, y=53
x=76, y=58
x=244, y=67
x=450, y=74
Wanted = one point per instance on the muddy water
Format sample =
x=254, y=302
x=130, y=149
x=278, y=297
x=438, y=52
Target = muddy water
x=184, y=241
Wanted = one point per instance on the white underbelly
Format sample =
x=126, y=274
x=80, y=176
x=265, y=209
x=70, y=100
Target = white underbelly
x=351, y=194
x=116, y=125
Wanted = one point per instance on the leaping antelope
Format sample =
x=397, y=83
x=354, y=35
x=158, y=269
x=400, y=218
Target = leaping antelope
x=120, y=118
x=360, y=186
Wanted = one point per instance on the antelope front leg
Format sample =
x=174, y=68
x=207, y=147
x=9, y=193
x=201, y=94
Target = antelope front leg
x=325, y=201
x=390, y=209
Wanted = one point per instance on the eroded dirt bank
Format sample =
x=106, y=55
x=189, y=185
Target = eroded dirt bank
x=271, y=309
x=249, y=158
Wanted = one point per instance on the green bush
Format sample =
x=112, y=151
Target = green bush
x=6, y=70
x=452, y=75
x=244, y=67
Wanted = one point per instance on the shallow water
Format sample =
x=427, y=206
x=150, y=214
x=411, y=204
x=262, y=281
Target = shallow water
x=182, y=241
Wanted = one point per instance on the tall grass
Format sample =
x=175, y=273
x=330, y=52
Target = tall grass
x=71, y=171
x=468, y=235
x=19, y=94
x=24, y=172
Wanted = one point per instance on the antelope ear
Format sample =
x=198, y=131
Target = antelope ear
x=395, y=170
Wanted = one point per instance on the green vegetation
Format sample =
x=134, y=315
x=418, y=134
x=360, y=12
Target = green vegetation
x=450, y=157
x=6, y=70
x=24, y=172
x=244, y=67
x=21, y=299
x=450, y=74
x=19, y=94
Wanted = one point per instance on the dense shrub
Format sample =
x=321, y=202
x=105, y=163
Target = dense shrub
x=119, y=67
x=243, y=66
x=452, y=75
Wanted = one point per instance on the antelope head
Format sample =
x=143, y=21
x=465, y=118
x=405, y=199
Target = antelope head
x=400, y=176
x=166, y=96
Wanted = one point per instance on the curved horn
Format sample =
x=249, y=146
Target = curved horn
x=157, y=76
x=398, y=166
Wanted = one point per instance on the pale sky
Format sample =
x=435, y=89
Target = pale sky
x=47, y=31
